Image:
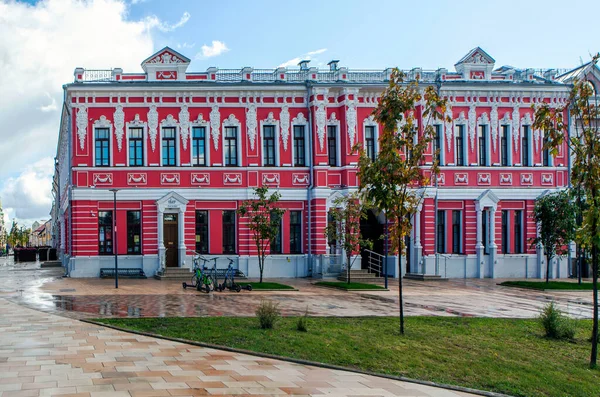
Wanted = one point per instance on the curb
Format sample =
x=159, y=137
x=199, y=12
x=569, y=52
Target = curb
x=301, y=361
x=351, y=290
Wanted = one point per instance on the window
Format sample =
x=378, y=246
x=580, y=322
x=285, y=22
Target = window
x=546, y=153
x=136, y=147
x=295, y=232
x=332, y=145
x=229, y=231
x=199, y=146
x=370, y=142
x=518, y=232
x=269, y=145
x=105, y=234
x=331, y=241
x=441, y=231
x=231, y=146
x=168, y=146
x=525, y=147
x=484, y=231
x=276, y=242
x=504, y=139
x=134, y=233
x=505, y=244
x=482, y=145
x=299, y=146
x=102, y=147
x=460, y=146
x=202, y=232
x=456, y=225
x=437, y=143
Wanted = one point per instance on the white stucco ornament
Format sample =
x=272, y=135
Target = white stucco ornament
x=119, y=118
x=321, y=118
x=215, y=124
x=153, y=126
x=82, y=122
x=251, y=124
x=284, y=125
x=494, y=125
x=351, y=122
x=471, y=121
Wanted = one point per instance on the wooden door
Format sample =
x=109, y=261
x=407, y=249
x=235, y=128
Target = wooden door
x=171, y=240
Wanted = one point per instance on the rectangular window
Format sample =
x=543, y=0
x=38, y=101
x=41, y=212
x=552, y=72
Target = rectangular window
x=229, y=232
x=102, y=143
x=370, y=142
x=518, y=232
x=199, y=146
x=437, y=143
x=456, y=226
x=332, y=145
x=331, y=241
x=299, y=146
x=105, y=234
x=546, y=154
x=484, y=231
x=482, y=145
x=504, y=146
x=269, y=145
x=276, y=242
x=459, y=147
x=168, y=146
x=134, y=232
x=441, y=231
x=231, y=147
x=505, y=244
x=202, y=232
x=525, y=147
x=295, y=232
x=136, y=147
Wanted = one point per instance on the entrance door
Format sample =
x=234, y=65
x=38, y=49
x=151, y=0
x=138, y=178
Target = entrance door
x=171, y=240
x=371, y=229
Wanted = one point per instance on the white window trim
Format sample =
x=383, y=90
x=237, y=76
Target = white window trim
x=457, y=125
x=232, y=121
x=103, y=122
x=271, y=122
x=487, y=148
x=200, y=122
x=300, y=120
x=530, y=144
x=334, y=122
x=169, y=122
x=144, y=126
x=508, y=143
x=370, y=122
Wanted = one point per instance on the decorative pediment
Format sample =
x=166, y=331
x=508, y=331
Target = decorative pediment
x=166, y=64
x=166, y=56
x=171, y=200
x=476, y=65
x=476, y=56
x=487, y=199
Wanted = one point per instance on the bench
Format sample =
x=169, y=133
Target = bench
x=108, y=272
x=221, y=273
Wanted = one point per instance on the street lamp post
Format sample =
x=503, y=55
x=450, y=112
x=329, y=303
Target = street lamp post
x=115, y=236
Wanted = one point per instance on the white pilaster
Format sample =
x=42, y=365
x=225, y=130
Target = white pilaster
x=181, y=233
x=493, y=248
x=479, y=245
x=161, y=239
x=418, y=248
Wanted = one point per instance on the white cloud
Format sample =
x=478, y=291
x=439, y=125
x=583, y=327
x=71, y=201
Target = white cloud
x=308, y=56
x=185, y=45
x=28, y=195
x=41, y=46
x=154, y=22
x=208, y=51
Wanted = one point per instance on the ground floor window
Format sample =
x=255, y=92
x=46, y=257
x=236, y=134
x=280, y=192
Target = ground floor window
x=229, y=232
x=202, y=232
x=456, y=232
x=134, y=232
x=441, y=231
x=518, y=233
x=295, y=232
x=276, y=242
x=105, y=233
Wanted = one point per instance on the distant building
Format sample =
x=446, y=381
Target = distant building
x=185, y=148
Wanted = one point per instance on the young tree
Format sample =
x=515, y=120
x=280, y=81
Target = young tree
x=264, y=220
x=584, y=143
x=393, y=182
x=345, y=228
x=555, y=215
x=13, y=236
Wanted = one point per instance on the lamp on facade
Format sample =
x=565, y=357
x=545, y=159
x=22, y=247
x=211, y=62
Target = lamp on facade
x=115, y=236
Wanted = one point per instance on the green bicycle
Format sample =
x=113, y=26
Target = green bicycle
x=201, y=280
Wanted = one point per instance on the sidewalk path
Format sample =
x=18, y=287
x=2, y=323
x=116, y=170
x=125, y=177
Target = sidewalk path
x=42, y=354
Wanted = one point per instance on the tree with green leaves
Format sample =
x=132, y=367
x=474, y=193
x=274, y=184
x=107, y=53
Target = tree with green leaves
x=555, y=216
x=395, y=180
x=14, y=235
x=584, y=143
x=264, y=220
x=345, y=228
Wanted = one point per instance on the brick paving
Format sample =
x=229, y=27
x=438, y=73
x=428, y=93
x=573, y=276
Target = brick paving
x=42, y=354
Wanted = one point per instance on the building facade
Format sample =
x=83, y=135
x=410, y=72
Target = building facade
x=180, y=150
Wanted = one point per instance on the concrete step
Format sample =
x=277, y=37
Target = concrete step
x=370, y=280
x=51, y=264
x=177, y=270
x=424, y=277
x=182, y=277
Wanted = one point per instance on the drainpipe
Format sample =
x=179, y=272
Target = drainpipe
x=310, y=177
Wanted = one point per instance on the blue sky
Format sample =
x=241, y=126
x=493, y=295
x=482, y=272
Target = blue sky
x=41, y=42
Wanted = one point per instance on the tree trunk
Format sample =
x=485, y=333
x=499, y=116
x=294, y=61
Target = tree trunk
x=548, y=258
x=400, y=286
x=594, y=355
x=348, y=267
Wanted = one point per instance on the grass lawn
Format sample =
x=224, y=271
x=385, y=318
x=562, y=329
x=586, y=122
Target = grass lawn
x=541, y=285
x=346, y=286
x=266, y=285
x=501, y=355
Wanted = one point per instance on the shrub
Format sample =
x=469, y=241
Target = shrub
x=302, y=324
x=556, y=324
x=267, y=313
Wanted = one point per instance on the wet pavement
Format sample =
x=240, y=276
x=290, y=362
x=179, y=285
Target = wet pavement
x=46, y=290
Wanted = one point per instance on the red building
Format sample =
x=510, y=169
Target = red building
x=185, y=148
